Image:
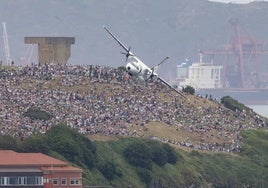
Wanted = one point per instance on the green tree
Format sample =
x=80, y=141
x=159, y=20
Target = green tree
x=72, y=145
x=8, y=142
x=35, y=143
x=34, y=113
x=234, y=105
x=145, y=175
x=159, y=154
x=109, y=170
x=189, y=89
x=139, y=154
x=122, y=68
x=171, y=154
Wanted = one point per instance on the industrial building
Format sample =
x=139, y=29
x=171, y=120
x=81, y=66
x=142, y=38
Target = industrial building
x=36, y=170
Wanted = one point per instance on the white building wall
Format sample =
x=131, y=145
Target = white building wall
x=202, y=75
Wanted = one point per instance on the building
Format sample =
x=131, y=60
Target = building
x=36, y=170
x=56, y=50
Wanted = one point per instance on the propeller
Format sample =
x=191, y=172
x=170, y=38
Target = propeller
x=127, y=53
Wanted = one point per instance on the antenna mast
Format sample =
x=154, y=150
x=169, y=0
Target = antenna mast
x=8, y=59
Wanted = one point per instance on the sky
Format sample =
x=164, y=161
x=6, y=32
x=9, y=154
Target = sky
x=236, y=1
x=141, y=29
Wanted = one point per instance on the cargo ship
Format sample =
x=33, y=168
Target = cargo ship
x=208, y=81
x=241, y=72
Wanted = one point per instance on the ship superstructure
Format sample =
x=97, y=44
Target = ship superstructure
x=200, y=74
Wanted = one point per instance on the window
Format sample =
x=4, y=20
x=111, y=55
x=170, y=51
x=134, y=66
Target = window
x=31, y=180
x=63, y=181
x=34, y=180
x=2, y=180
x=13, y=180
x=39, y=180
x=75, y=181
x=55, y=181
x=21, y=180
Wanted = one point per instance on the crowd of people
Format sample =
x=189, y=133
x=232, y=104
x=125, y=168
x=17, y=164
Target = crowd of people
x=104, y=100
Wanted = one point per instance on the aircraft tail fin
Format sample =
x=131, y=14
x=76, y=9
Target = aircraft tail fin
x=156, y=68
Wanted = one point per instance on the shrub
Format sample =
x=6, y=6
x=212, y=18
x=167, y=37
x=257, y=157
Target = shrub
x=8, y=142
x=145, y=175
x=143, y=153
x=159, y=154
x=171, y=154
x=233, y=104
x=35, y=143
x=122, y=68
x=189, y=89
x=72, y=145
x=139, y=154
x=33, y=114
x=109, y=170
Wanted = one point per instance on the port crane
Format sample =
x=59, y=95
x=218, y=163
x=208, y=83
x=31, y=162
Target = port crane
x=5, y=37
x=241, y=58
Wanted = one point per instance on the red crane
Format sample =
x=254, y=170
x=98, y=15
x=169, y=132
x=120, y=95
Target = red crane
x=241, y=64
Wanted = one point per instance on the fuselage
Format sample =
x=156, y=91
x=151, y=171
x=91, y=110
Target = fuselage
x=135, y=67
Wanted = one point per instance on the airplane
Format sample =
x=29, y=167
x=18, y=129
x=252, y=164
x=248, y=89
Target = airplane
x=135, y=67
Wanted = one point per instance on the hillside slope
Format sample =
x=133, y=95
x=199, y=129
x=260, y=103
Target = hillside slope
x=98, y=100
x=152, y=163
x=145, y=121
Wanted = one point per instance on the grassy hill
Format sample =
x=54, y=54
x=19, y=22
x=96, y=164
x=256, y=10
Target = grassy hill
x=249, y=168
x=159, y=139
x=115, y=107
x=105, y=163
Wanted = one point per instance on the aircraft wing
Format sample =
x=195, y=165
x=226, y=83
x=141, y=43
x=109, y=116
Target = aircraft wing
x=165, y=82
x=117, y=40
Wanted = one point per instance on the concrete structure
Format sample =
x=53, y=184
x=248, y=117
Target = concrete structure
x=36, y=170
x=55, y=50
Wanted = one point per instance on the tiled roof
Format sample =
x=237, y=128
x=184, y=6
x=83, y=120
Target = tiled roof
x=12, y=158
x=61, y=169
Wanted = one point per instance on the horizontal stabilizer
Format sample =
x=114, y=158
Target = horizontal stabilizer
x=155, y=68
